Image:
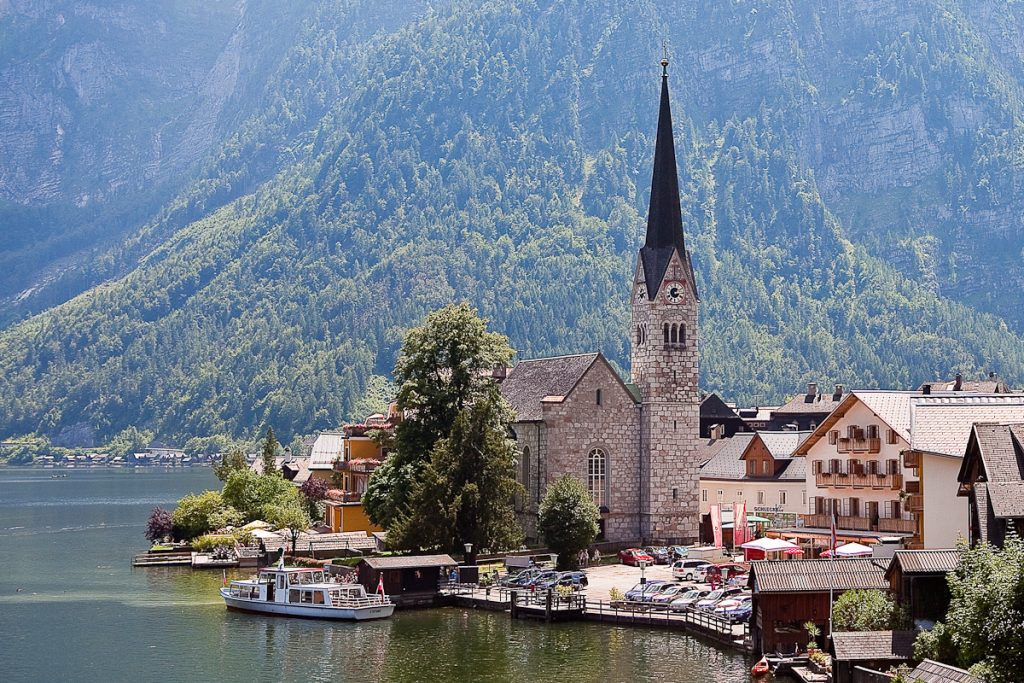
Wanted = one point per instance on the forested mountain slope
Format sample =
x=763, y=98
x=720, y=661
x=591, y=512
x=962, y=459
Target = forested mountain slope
x=500, y=153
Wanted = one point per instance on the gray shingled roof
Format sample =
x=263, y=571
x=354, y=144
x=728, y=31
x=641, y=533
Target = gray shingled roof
x=862, y=646
x=714, y=406
x=803, y=576
x=1000, y=446
x=531, y=380
x=410, y=562
x=808, y=403
x=930, y=671
x=1007, y=498
x=721, y=458
x=942, y=424
x=925, y=561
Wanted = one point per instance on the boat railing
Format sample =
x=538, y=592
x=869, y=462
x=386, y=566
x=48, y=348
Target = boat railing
x=368, y=601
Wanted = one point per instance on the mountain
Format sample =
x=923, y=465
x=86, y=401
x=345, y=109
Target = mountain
x=849, y=192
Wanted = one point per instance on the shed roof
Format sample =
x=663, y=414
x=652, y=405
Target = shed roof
x=925, y=561
x=410, y=561
x=861, y=646
x=812, y=576
x=930, y=671
x=531, y=380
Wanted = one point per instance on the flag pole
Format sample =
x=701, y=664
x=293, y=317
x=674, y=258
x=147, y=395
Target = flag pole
x=831, y=578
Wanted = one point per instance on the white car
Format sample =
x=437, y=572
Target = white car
x=690, y=570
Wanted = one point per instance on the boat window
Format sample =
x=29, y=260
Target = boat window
x=318, y=598
x=306, y=596
x=293, y=595
x=280, y=581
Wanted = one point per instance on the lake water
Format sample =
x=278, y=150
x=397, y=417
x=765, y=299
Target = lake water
x=73, y=609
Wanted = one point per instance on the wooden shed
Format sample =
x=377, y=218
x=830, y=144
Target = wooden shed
x=788, y=594
x=917, y=579
x=409, y=580
x=874, y=650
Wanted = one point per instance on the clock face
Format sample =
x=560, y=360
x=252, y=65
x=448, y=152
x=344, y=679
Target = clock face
x=674, y=292
x=640, y=293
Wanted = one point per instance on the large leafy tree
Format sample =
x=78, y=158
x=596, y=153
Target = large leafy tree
x=983, y=628
x=199, y=514
x=568, y=519
x=866, y=610
x=290, y=515
x=466, y=490
x=231, y=461
x=249, y=492
x=439, y=374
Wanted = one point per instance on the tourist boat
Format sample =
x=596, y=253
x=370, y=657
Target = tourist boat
x=298, y=592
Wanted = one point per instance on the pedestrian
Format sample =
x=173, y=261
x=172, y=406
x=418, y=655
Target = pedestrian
x=597, y=557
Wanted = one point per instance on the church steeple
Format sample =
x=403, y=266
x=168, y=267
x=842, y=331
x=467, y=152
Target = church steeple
x=664, y=217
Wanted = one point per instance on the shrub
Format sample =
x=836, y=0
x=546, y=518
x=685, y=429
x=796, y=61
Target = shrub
x=865, y=610
x=160, y=525
x=568, y=519
x=193, y=515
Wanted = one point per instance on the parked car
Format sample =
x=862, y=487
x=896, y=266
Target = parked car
x=573, y=579
x=668, y=593
x=686, y=600
x=659, y=553
x=636, y=593
x=649, y=596
x=708, y=602
x=740, y=613
x=678, y=552
x=690, y=570
x=517, y=578
x=633, y=557
x=722, y=572
x=729, y=603
x=535, y=581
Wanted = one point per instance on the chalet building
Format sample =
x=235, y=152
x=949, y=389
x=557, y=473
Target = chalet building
x=886, y=463
x=633, y=445
x=917, y=580
x=757, y=469
x=788, y=594
x=718, y=420
x=806, y=411
x=991, y=478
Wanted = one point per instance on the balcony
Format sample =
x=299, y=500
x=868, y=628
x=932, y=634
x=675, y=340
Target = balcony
x=345, y=497
x=361, y=466
x=914, y=487
x=843, y=521
x=900, y=526
x=911, y=459
x=892, y=482
x=849, y=445
x=915, y=502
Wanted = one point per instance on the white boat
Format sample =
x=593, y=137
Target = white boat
x=299, y=592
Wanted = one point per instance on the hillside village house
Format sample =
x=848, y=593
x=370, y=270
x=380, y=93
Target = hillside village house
x=991, y=478
x=757, y=469
x=633, y=445
x=887, y=462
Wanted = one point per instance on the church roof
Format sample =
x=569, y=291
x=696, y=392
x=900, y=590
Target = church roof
x=664, y=215
x=532, y=380
x=714, y=407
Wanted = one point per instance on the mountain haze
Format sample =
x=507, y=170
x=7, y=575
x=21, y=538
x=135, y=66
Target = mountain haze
x=850, y=178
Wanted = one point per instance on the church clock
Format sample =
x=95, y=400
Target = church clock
x=674, y=292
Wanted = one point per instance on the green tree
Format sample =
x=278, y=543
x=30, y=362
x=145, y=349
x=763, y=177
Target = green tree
x=866, y=610
x=197, y=514
x=270, y=449
x=438, y=373
x=231, y=461
x=129, y=440
x=249, y=492
x=379, y=392
x=466, y=491
x=986, y=610
x=568, y=519
x=290, y=515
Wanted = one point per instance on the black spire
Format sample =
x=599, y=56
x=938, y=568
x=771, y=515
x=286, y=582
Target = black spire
x=664, y=218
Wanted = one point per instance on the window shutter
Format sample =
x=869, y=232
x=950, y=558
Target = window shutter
x=816, y=467
x=833, y=437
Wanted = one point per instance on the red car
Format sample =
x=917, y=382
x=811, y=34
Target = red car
x=634, y=556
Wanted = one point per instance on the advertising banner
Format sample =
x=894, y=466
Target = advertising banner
x=739, y=524
x=716, y=524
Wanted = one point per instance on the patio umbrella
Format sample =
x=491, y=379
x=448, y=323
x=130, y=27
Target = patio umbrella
x=769, y=545
x=793, y=551
x=852, y=550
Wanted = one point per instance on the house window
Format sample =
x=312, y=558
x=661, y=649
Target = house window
x=890, y=436
x=719, y=495
x=739, y=494
x=766, y=467
x=833, y=437
x=892, y=466
x=760, y=497
x=815, y=467
x=782, y=497
x=704, y=495
x=597, y=476
x=803, y=497
x=872, y=431
x=598, y=397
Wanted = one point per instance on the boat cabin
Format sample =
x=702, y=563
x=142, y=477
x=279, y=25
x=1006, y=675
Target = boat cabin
x=296, y=587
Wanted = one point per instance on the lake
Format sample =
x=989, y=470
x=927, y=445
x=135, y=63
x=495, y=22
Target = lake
x=72, y=608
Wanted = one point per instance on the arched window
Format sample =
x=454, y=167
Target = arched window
x=597, y=479
x=526, y=469
x=666, y=334
x=682, y=335
x=672, y=335
x=639, y=335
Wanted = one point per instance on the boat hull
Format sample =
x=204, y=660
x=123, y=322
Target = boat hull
x=309, y=611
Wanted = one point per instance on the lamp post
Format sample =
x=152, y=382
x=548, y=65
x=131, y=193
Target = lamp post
x=469, y=559
x=643, y=565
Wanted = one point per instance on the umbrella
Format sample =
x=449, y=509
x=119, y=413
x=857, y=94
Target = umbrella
x=769, y=545
x=256, y=524
x=793, y=551
x=852, y=550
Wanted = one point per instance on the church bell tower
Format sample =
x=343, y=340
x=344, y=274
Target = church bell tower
x=665, y=354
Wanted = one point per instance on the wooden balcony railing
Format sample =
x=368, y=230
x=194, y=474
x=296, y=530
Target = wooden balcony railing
x=915, y=502
x=914, y=487
x=848, y=445
x=911, y=459
x=844, y=522
x=893, y=482
x=902, y=526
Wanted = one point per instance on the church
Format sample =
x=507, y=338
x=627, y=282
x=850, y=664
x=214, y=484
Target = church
x=633, y=444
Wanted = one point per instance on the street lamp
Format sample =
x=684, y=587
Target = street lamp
x=643, y=565
x=469, y=553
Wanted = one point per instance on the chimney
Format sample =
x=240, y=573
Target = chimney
x=838, y=393
x=717, y=432
x=926, y=389
x=959, y=384
x=499, y=372
x=812, y=388
x=992, y=375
